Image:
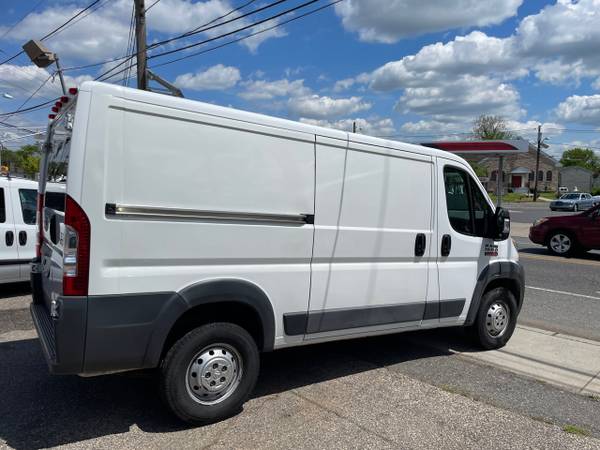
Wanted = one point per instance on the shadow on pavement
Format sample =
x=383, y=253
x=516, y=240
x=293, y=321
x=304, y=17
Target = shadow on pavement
x=15, y=290
x=39, y=410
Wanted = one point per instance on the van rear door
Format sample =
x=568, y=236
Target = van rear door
x=52, y=215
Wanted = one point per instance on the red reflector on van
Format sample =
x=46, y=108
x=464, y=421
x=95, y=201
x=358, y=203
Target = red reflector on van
x=76, y=249
x=51, y=116
x=73, y=91
x=64, y=99
x=54, y=109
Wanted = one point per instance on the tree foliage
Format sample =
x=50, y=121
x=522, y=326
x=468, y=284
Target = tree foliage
x=26, y=160
x=581, y=157
x=489, y=127
x=480, y=171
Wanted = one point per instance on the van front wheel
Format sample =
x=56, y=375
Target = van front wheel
x=209, y=373
x=496, y=319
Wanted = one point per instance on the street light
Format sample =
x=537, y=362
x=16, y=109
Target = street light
x=42, y=57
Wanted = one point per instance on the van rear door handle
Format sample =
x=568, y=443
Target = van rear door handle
x=420, y=244
x=9, y=238
x=22, y=238
x=446, y=244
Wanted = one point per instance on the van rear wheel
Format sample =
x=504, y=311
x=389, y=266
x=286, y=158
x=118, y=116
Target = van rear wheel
x=209, y=373
x=496, y=319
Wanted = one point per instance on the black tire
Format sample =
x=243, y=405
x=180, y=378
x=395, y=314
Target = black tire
x=552, y=209
x=480, y=330
x=174, y=376
x=555, y=250
x=576, y=208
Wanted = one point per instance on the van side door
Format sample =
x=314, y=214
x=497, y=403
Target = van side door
x=9, y=256
x=463, y=252
x=373, y=235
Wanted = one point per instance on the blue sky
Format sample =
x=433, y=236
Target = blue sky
x=411, y=69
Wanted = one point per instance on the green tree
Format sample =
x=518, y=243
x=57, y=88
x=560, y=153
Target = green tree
x=480, y=171
x=491, y=127
x=581, y=157
x=26, y=160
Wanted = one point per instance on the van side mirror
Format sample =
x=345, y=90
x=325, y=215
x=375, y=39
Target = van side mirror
x=500, y=229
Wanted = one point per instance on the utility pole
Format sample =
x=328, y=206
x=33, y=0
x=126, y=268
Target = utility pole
x=537, y=163
x=140, y=38
x=354, y=126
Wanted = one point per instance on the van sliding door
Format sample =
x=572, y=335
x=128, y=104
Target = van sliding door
x=373, y=234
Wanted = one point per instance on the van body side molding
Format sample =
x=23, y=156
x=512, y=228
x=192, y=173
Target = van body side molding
x=295, y=324
x=152, y=212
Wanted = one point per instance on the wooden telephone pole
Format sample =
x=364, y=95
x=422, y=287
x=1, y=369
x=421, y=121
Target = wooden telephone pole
x=140, y=38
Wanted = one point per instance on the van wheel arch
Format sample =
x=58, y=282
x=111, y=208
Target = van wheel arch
x=505, y=274
x=228, y=300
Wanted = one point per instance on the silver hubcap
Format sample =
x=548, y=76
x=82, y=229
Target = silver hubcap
x=214, y=374
x=497, y=319
x=560, y=243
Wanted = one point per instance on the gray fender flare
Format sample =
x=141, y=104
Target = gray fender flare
x=500, y=270
x=211, y=292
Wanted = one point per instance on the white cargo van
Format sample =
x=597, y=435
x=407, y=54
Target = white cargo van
x=18, y=200
x=195, y=236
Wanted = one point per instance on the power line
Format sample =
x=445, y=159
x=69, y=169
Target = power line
x=191, y=55
x=105, y=76
x=20, y=20
x=208, y=26
x=19, y=109
x=55, y=31
x=29, y=109
x=150, y=7
x=132, y=54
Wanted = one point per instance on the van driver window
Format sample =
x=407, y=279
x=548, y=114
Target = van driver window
x=468, y=210
x=457, y=200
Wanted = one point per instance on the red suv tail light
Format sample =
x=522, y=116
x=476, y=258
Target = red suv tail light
x=76, y=249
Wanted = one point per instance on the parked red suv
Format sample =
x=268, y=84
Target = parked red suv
x=565, y=235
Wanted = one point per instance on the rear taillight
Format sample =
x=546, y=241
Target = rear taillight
x=76, y=249
x=40, y=225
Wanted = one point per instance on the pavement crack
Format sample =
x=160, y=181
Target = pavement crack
x=343, y=417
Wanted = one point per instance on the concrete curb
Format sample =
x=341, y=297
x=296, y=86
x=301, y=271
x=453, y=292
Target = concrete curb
x=567, y=361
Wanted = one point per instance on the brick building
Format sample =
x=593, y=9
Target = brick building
x=519, y=171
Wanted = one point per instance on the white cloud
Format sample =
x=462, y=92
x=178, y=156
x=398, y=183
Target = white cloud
x=343, y=85
x=584, y=109
x=23, y=81
x=268, y=90
x=388, y=21
x=463, y=97
x=104, y=33
x=252, y=43
x=371, y=127
x=317, y=107
x=215, y=78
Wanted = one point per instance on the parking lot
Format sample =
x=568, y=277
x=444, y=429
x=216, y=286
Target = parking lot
x=414, y=390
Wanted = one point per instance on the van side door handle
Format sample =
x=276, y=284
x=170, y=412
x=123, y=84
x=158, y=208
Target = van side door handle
x=22, y=238
x=9, y=238
x=446, y=244
x=420, y=244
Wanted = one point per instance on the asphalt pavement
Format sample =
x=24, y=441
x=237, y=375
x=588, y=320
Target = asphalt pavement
x=528, y=212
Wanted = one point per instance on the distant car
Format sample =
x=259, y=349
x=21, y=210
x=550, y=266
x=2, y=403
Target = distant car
x=574, y=201
x=563, y=235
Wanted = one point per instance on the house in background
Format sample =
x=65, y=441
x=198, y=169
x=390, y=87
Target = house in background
x=518, y=172
x=576, y=179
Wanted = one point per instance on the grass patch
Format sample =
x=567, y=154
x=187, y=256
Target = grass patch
x=513, y=197
x=574, y=429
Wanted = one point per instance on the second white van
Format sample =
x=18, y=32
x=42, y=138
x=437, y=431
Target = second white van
x=195, y=237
